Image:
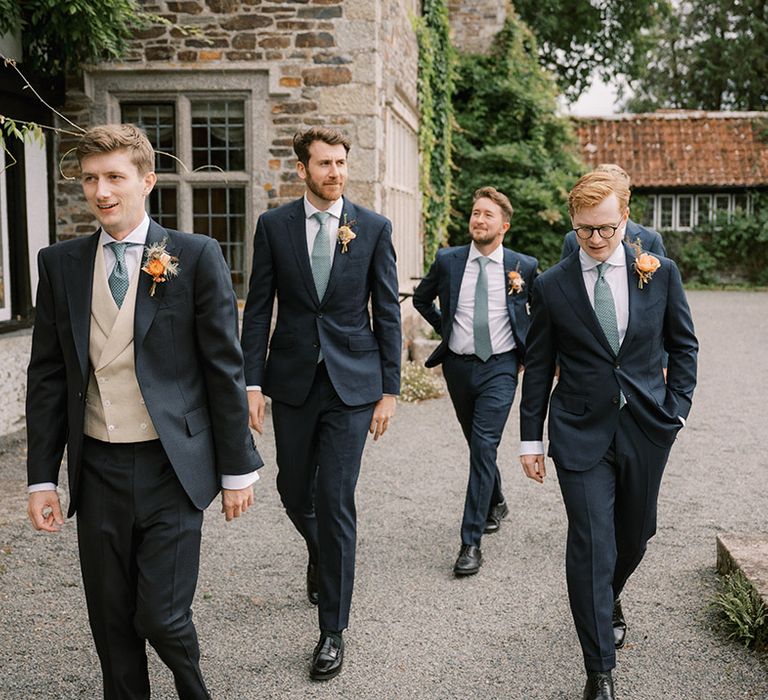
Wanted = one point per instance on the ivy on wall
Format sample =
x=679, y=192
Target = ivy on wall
x=435, y=90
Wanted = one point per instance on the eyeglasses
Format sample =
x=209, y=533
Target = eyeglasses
x=605, y=231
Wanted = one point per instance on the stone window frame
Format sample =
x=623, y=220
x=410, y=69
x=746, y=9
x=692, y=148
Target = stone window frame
x=108, y=88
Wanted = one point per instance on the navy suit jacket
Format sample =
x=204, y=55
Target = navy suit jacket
x=189, y=365
x=361, y=350
x=443, y=281
x=583, y=408
x=650, y=240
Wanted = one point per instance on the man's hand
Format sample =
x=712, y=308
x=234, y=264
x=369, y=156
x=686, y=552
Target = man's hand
x=44, y=511
x=382, y=413
x=236, y=502
x=257, y=404
x=533, y=466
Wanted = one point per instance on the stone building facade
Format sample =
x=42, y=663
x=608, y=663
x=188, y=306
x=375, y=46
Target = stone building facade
x=475, y=23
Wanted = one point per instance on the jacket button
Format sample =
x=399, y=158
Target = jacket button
x=617, y=366
x=615, y=399
x=319, y=315
x=315, y=345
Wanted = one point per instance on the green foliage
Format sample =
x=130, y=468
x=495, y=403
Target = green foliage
x=743, y=612
x=511, y=138
x=706, y=55
x=417, y=383
x=580, y=37
x=435, y=88
x=724, y=252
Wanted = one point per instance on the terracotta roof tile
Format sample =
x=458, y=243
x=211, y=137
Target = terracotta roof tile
x=677, y=148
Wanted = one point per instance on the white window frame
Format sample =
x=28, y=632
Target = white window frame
x=5, y=309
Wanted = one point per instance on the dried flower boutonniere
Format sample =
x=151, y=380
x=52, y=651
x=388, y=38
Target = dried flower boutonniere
x=159, y=265
x=345, y=234
x=515, y=282
x=645, y=265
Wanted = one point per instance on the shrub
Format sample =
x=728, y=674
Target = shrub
x=742, y=610
x=417, y=383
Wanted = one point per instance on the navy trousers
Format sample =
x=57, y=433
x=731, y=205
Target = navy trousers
x=319, y=448
x=482, y=394
x=139, y=541
x=611, y=516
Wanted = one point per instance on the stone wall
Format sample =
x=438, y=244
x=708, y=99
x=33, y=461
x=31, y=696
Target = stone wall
x=14, y=358
x=474, y=23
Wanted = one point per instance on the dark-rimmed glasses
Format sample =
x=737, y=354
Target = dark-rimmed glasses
x=604, y=231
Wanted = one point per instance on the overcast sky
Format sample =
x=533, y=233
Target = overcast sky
x=599, y=100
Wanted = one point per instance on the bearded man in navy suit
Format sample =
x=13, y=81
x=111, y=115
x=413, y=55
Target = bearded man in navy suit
x=483, y=290
x=333, y=367
x=607, y=315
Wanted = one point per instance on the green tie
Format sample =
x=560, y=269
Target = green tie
x=321, y=255
x=118, y=278
x=480, y=327
x=605, y=310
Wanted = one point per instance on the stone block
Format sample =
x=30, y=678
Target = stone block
x=349, y=99
x=275, y=42
x=244, y=22
x=314, y=39
x=244, y=42
x=327, y=75
x=360, y=9
x=189, y=7
x=748, y=553
x=159, y=53
x=327, y=12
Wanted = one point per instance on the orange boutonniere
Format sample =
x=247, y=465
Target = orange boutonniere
x=159, y=265
x=345, y=234
x=645, y=265
x=515, y=282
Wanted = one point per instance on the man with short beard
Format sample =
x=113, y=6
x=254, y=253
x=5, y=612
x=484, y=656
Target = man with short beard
x=333, y=368
x=483, y=320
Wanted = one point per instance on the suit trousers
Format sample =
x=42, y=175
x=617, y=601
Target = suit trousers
x=611, y=512
x=319, y=448
x=482, y=394
x=139, y=542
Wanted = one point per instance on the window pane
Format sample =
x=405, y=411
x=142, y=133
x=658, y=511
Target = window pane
x=220, y=212
x=703, y=208
x=721, y=208
x=158, y=122
x=218, y=135
x=740, y=202
x=649, y=211
x=163, y=206
x=685, y=211
x=666, y=205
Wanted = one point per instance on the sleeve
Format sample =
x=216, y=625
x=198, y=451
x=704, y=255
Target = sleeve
x=424, y=297
x=569, y=245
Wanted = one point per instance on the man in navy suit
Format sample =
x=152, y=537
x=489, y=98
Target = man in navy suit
x=606, y=315
x=650, y=241
x=483, y=290
x=140, y=376
x=333, y=368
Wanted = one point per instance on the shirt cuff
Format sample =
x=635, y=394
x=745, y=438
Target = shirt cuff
x=235, y=482
x=253, y=387
x=532, y=447
x=43, y=486
x=682, y=420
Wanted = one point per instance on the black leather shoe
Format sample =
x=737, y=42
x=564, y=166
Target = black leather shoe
x=312, y=592
x=327, y=658
x=468, y=563
x=619, y=626
x=497, y=514
x=599, y=686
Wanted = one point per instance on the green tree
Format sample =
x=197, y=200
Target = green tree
x=579, y=38
x=510, y=136
x=707, y=55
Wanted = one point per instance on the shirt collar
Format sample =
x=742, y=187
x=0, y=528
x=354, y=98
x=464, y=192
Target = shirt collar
x=333, y=210
x=618, y=259
x=497, y=255
x=137, y=236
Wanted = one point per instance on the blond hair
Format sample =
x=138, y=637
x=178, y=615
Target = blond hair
x=593, y=188
x=118, y=137
x=498, y=198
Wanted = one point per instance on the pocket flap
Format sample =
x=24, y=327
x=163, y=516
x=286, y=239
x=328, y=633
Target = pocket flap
x=197, y=420
x=363, y=342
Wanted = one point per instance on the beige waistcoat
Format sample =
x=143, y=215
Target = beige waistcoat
x=114, y=408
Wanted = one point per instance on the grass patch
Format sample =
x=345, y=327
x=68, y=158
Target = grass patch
x=742, y=611
x=417, y=383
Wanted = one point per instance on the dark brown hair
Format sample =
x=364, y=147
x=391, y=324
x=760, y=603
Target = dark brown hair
x=498, y=197
x=118, y=137
x=303, y=140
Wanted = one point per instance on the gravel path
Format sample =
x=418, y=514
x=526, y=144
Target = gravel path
x=416, y=632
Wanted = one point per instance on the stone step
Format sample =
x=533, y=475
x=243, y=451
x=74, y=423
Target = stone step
x=747, y=552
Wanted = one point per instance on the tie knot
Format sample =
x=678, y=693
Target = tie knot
x=119, y=250
x=482, y=261
x=602, y=268
x=321, y=216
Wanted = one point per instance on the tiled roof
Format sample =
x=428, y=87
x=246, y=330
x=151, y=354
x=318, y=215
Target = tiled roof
x=678, y=148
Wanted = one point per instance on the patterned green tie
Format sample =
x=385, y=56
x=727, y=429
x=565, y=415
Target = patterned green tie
x=480, y=327
x=605, y=310
x=118, y=278
x=321, y=254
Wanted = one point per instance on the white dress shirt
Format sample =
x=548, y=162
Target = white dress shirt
x=462, y=340
x=133, y=256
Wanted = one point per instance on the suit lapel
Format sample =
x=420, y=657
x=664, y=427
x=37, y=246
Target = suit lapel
x=296, y=229
x=339, y=265
x=78, y=281
x=456, y=274
x=637, y=299
x=572, y=285
x=511, y=263
x=146, y=305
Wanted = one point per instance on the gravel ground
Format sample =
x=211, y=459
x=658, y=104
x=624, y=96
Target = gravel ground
x=416, y=632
